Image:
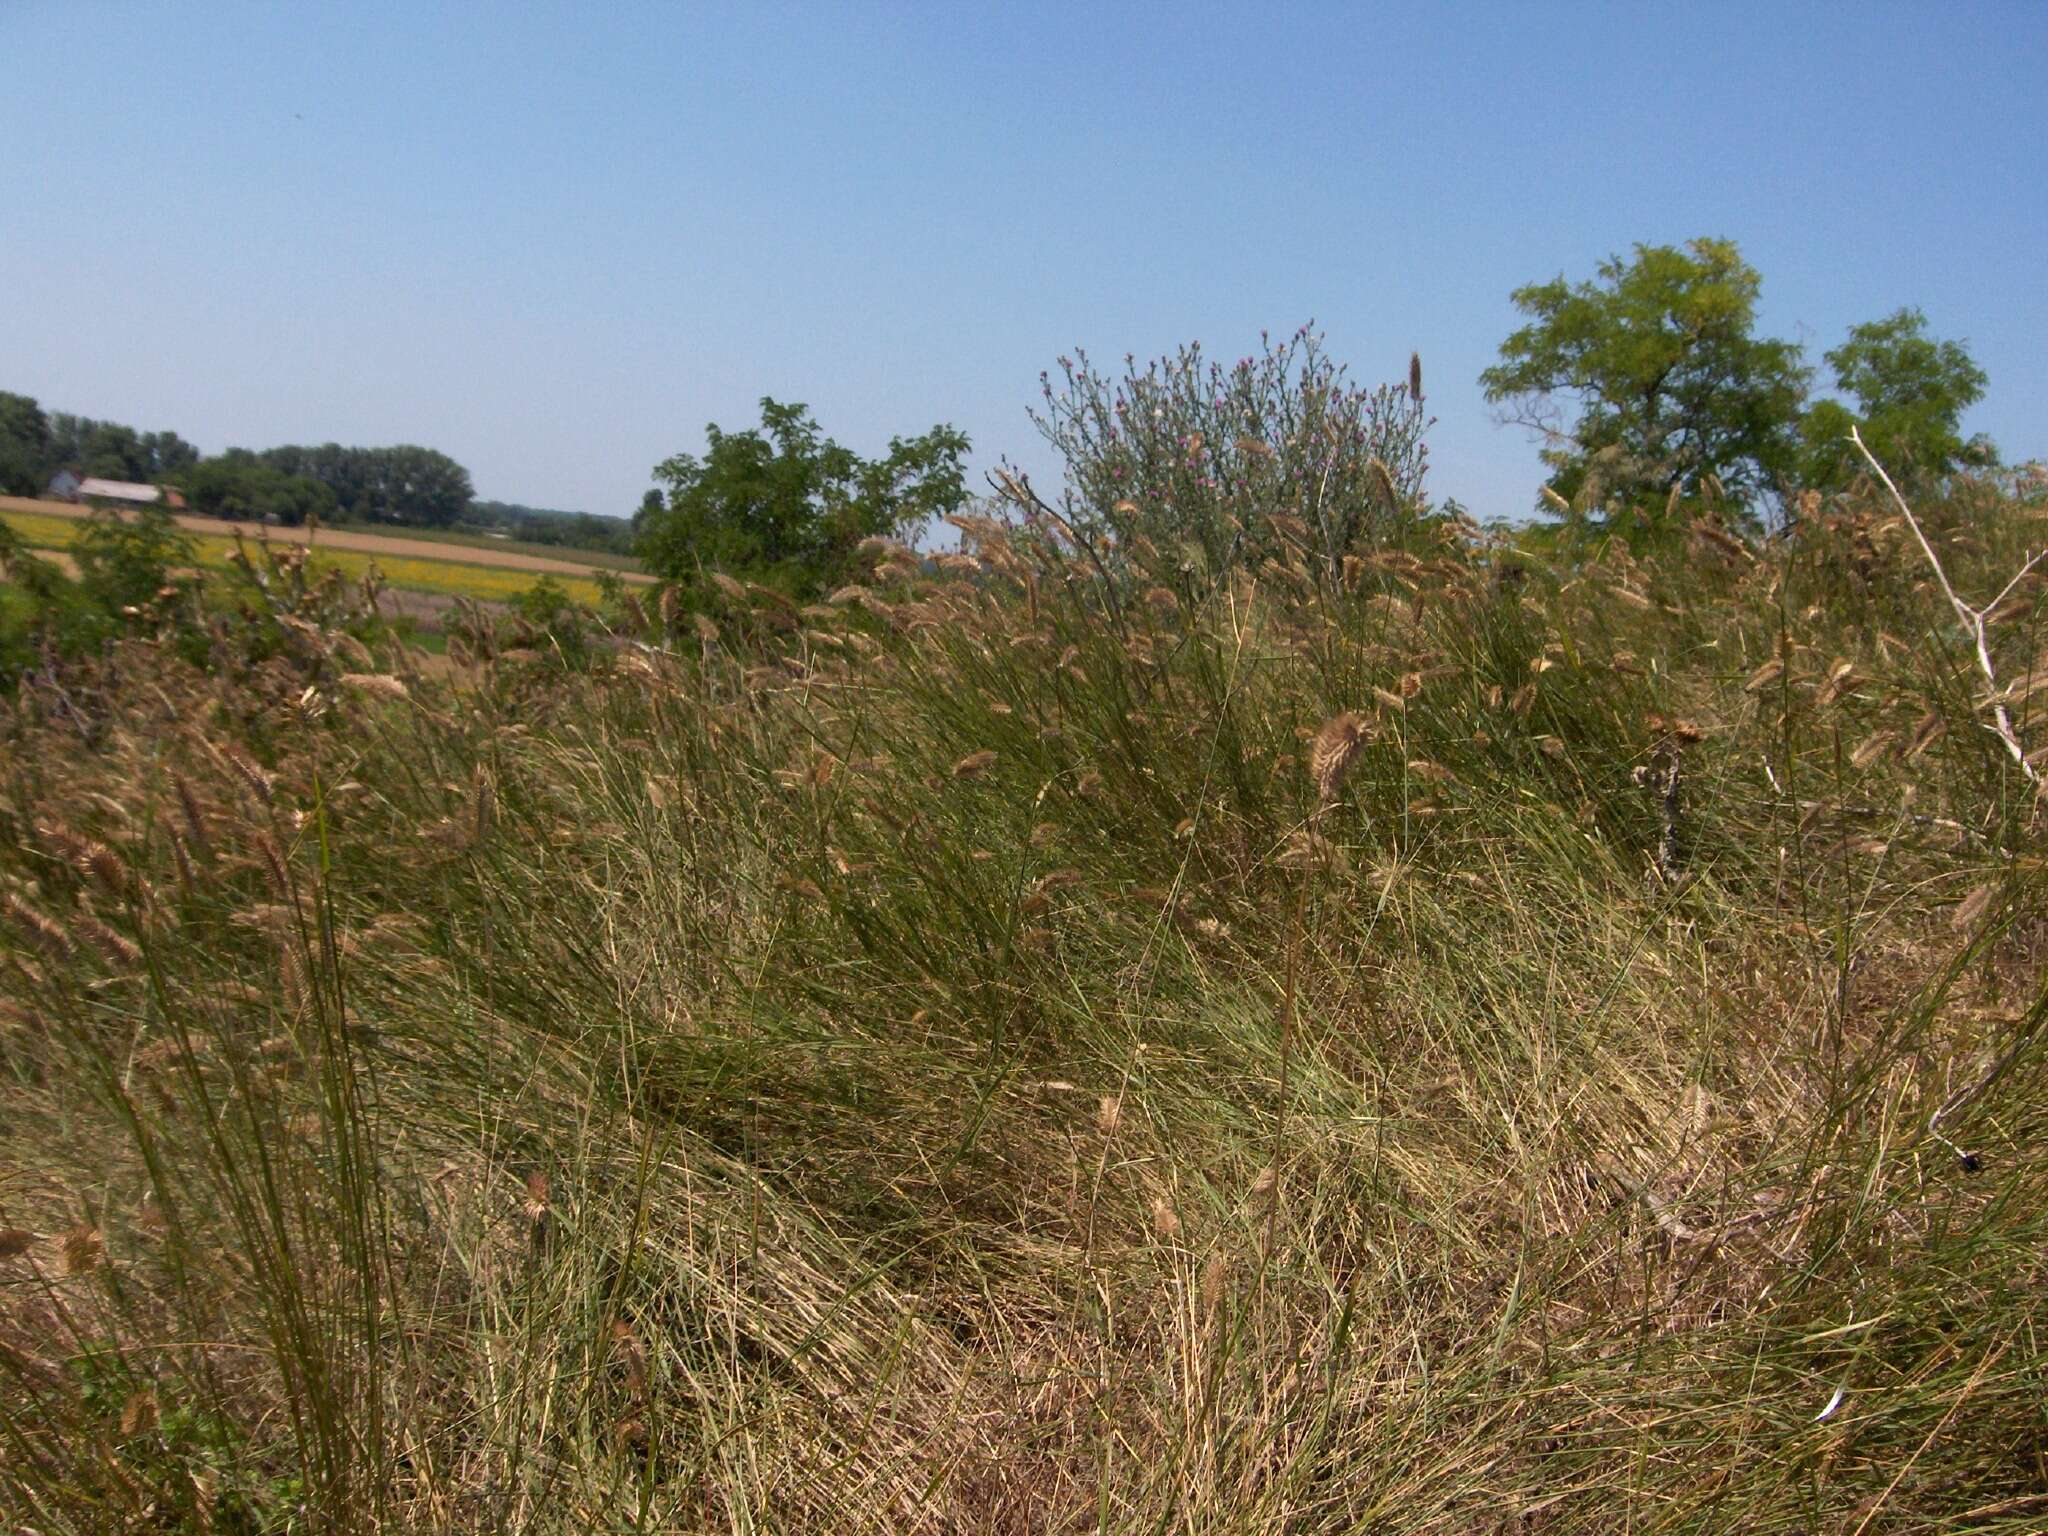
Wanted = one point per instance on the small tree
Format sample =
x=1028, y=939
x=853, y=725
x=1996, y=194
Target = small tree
x=1910, y=392
x=786, y=506
x=1193, y=455
x=1651, y=376
x=133, y=561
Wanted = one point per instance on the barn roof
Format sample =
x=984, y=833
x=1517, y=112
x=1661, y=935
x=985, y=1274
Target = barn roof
x=118, y=490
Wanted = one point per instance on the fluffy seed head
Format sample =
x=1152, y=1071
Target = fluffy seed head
x=1972, y=907
x=1165, y=1223
x=382, y=684
x=251, y=774
x=139, y=1413
x=1380, y=479
x=83, y=1246
x=1215, y=1281
x=44, y=932
x=1336, y=748
x=195, y=819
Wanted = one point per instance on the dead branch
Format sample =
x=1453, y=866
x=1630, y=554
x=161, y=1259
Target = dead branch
x=1973, y=619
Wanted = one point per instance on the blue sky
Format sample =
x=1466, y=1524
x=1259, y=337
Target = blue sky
x=556, y=240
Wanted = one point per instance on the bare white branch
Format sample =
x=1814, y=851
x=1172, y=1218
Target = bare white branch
x=1973, y=620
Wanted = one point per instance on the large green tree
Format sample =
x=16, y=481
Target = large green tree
x=784, y=505
x=1651, y=375
x=1909, y=392
x=115, y=451
x=24, y=446
x=238, y=487
x=402, y=484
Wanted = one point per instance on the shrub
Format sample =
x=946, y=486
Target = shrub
x=786, y=506
x=1194, y=456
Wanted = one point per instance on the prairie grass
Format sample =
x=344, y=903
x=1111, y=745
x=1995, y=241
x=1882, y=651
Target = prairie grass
x=973, y=1057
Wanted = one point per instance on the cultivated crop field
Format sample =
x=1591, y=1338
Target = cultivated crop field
x=413, y=563
x=1453, y=1039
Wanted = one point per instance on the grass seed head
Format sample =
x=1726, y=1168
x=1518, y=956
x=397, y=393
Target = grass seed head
x=139, y=1413
x=82, y=1248
x=1165, y=1222
x=382, y=684
x=1972, y=907
x=44, y=932
x=1335, y=750
x=1109, y=1113
x=253, y=776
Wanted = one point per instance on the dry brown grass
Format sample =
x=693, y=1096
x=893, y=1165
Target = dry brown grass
x=1014, y=1070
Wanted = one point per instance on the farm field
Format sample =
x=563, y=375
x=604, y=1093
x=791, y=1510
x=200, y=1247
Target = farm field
x=457, y=538
x=464, y=570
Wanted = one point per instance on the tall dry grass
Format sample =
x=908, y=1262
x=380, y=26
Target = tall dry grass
x=1469, y=1041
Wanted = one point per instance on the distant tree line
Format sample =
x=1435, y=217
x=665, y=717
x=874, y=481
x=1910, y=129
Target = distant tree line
x=35, y=444
x=404, y=484
x=547, y=525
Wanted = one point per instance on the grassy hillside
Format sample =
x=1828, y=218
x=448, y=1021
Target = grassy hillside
x=1484, y=1043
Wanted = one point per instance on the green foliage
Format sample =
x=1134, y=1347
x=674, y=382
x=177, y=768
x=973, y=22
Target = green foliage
x=554, y=623
x=783, y=505
x=1650, y=376
x=1909, y=392
x=542, y=525
x=24, y=446
x=420, y=487
x=405, y=484
x=1192, y=456
x=133, y=577
x=115, y=452
x=242, y=489
x=133, y=561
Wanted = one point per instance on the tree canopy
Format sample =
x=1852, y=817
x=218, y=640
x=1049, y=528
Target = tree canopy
x=1909, y=392
x=241, y=488
x=550, y=525
x=402, y=484
x=24, y=445
x=1651, y=375
x=786, y=506
x=114, y=451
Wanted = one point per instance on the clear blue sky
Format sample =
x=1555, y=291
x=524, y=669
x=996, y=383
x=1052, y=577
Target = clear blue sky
x=555, y=240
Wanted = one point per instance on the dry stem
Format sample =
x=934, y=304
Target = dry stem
x=1973, y=619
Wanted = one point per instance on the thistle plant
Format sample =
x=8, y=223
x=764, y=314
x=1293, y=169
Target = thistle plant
x=1194, y=456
